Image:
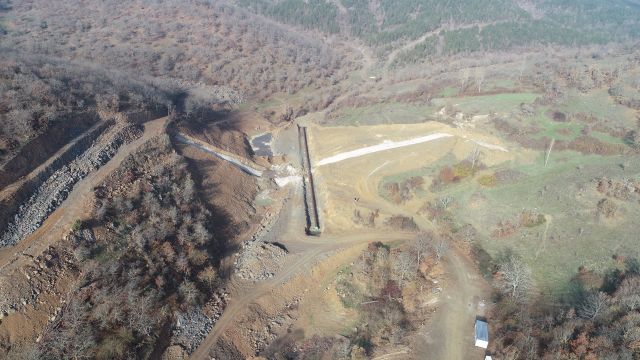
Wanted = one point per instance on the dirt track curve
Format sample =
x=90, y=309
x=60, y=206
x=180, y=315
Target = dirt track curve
x=452, y=330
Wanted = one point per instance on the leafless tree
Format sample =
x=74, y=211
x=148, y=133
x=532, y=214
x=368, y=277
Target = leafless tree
x=440, y=247
x=593, y=305
x=189, y=292
x=422, y=244
x=480, y=74
x=405, y=266
x=628, y=293
x=516, y=278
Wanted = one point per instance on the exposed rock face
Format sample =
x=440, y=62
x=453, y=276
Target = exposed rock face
x=57, y=187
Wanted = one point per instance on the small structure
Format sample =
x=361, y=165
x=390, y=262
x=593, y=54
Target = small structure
x=482, y=334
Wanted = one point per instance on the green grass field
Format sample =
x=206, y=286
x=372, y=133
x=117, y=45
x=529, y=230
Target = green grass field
x=566, y=193
x=384, y=113
x=484, y=104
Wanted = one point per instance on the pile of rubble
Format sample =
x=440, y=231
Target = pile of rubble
x=25, y=285
x=259, y=260
x=57, y=187
x=192, y=327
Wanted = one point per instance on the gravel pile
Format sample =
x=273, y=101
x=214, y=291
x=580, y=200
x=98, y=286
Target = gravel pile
x=192, y=327
x=39, y=276
x=57, y=187
x=259, y=260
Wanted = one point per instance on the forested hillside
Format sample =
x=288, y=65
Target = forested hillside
x=455, y=26
x=193, y=41
x=37, y=93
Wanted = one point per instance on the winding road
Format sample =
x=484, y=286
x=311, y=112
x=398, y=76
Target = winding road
x=304, y=252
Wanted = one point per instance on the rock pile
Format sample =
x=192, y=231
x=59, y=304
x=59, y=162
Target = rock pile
x=259, y=260
x=192, y=327
x=38, y=277
x=57, y=187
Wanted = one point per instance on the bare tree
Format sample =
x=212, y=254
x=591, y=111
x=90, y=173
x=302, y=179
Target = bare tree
x=422, y=244
x=464, y=78
x=440, y=247
x=474, y=157
x=405, y=266
x=516, y=278
x=480, y=74
x=593, y=305
x=628, y=293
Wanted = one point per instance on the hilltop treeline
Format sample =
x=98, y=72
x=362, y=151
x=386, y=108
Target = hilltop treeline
x=466, y=26
x=195, y=41
x=37, y=92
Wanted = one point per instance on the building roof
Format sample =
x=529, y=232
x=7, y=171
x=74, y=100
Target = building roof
x=482, y=330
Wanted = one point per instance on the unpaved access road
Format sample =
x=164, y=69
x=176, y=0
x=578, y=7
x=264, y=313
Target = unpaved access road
x=76, y=205
x=452, y=329
x=304, y=251
x=242, y=164
x=246, y=293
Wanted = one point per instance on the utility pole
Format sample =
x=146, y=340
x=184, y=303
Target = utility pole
x=476, y=153
x=546, y=160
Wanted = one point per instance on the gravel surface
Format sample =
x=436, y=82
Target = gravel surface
x=57, y=187
x=259, y=260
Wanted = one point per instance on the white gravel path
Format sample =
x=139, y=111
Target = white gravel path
x=386, y=145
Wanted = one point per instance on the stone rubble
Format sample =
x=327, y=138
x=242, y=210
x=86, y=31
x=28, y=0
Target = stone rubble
x=192, y=327
x=259, y=260
x=57, y=187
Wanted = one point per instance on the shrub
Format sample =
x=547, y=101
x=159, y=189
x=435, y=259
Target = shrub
x=77, y=225
x=462, y=170
x=607, y=208
x=488, y=180
x=531, y=218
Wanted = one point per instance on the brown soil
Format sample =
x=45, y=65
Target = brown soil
x=27, y=323
x=234, y=198
x=228, y=131
x=42, y=147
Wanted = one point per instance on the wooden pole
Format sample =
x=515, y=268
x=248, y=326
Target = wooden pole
x=546, y=160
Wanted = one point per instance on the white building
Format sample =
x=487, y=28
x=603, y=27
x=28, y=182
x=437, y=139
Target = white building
x=482, y=334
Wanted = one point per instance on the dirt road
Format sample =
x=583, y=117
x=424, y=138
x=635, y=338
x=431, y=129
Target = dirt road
x=412, y=44
x=451, y=334
x=304, y=251
x=75, y=206
x=243, y=164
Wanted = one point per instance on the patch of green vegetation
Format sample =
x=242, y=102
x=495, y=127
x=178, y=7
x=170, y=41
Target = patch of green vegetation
x=488, y=180
x=600, y=105
x=449, y=92
x=77, y=225
x=604, y=137
x=501, y=103
x=553, y=129
x=349, y=294
x=386, y=113
x=574, y=237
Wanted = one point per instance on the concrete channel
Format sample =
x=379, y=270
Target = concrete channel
x=310, y=198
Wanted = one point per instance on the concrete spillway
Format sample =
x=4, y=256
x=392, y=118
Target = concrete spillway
x=311, y=202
